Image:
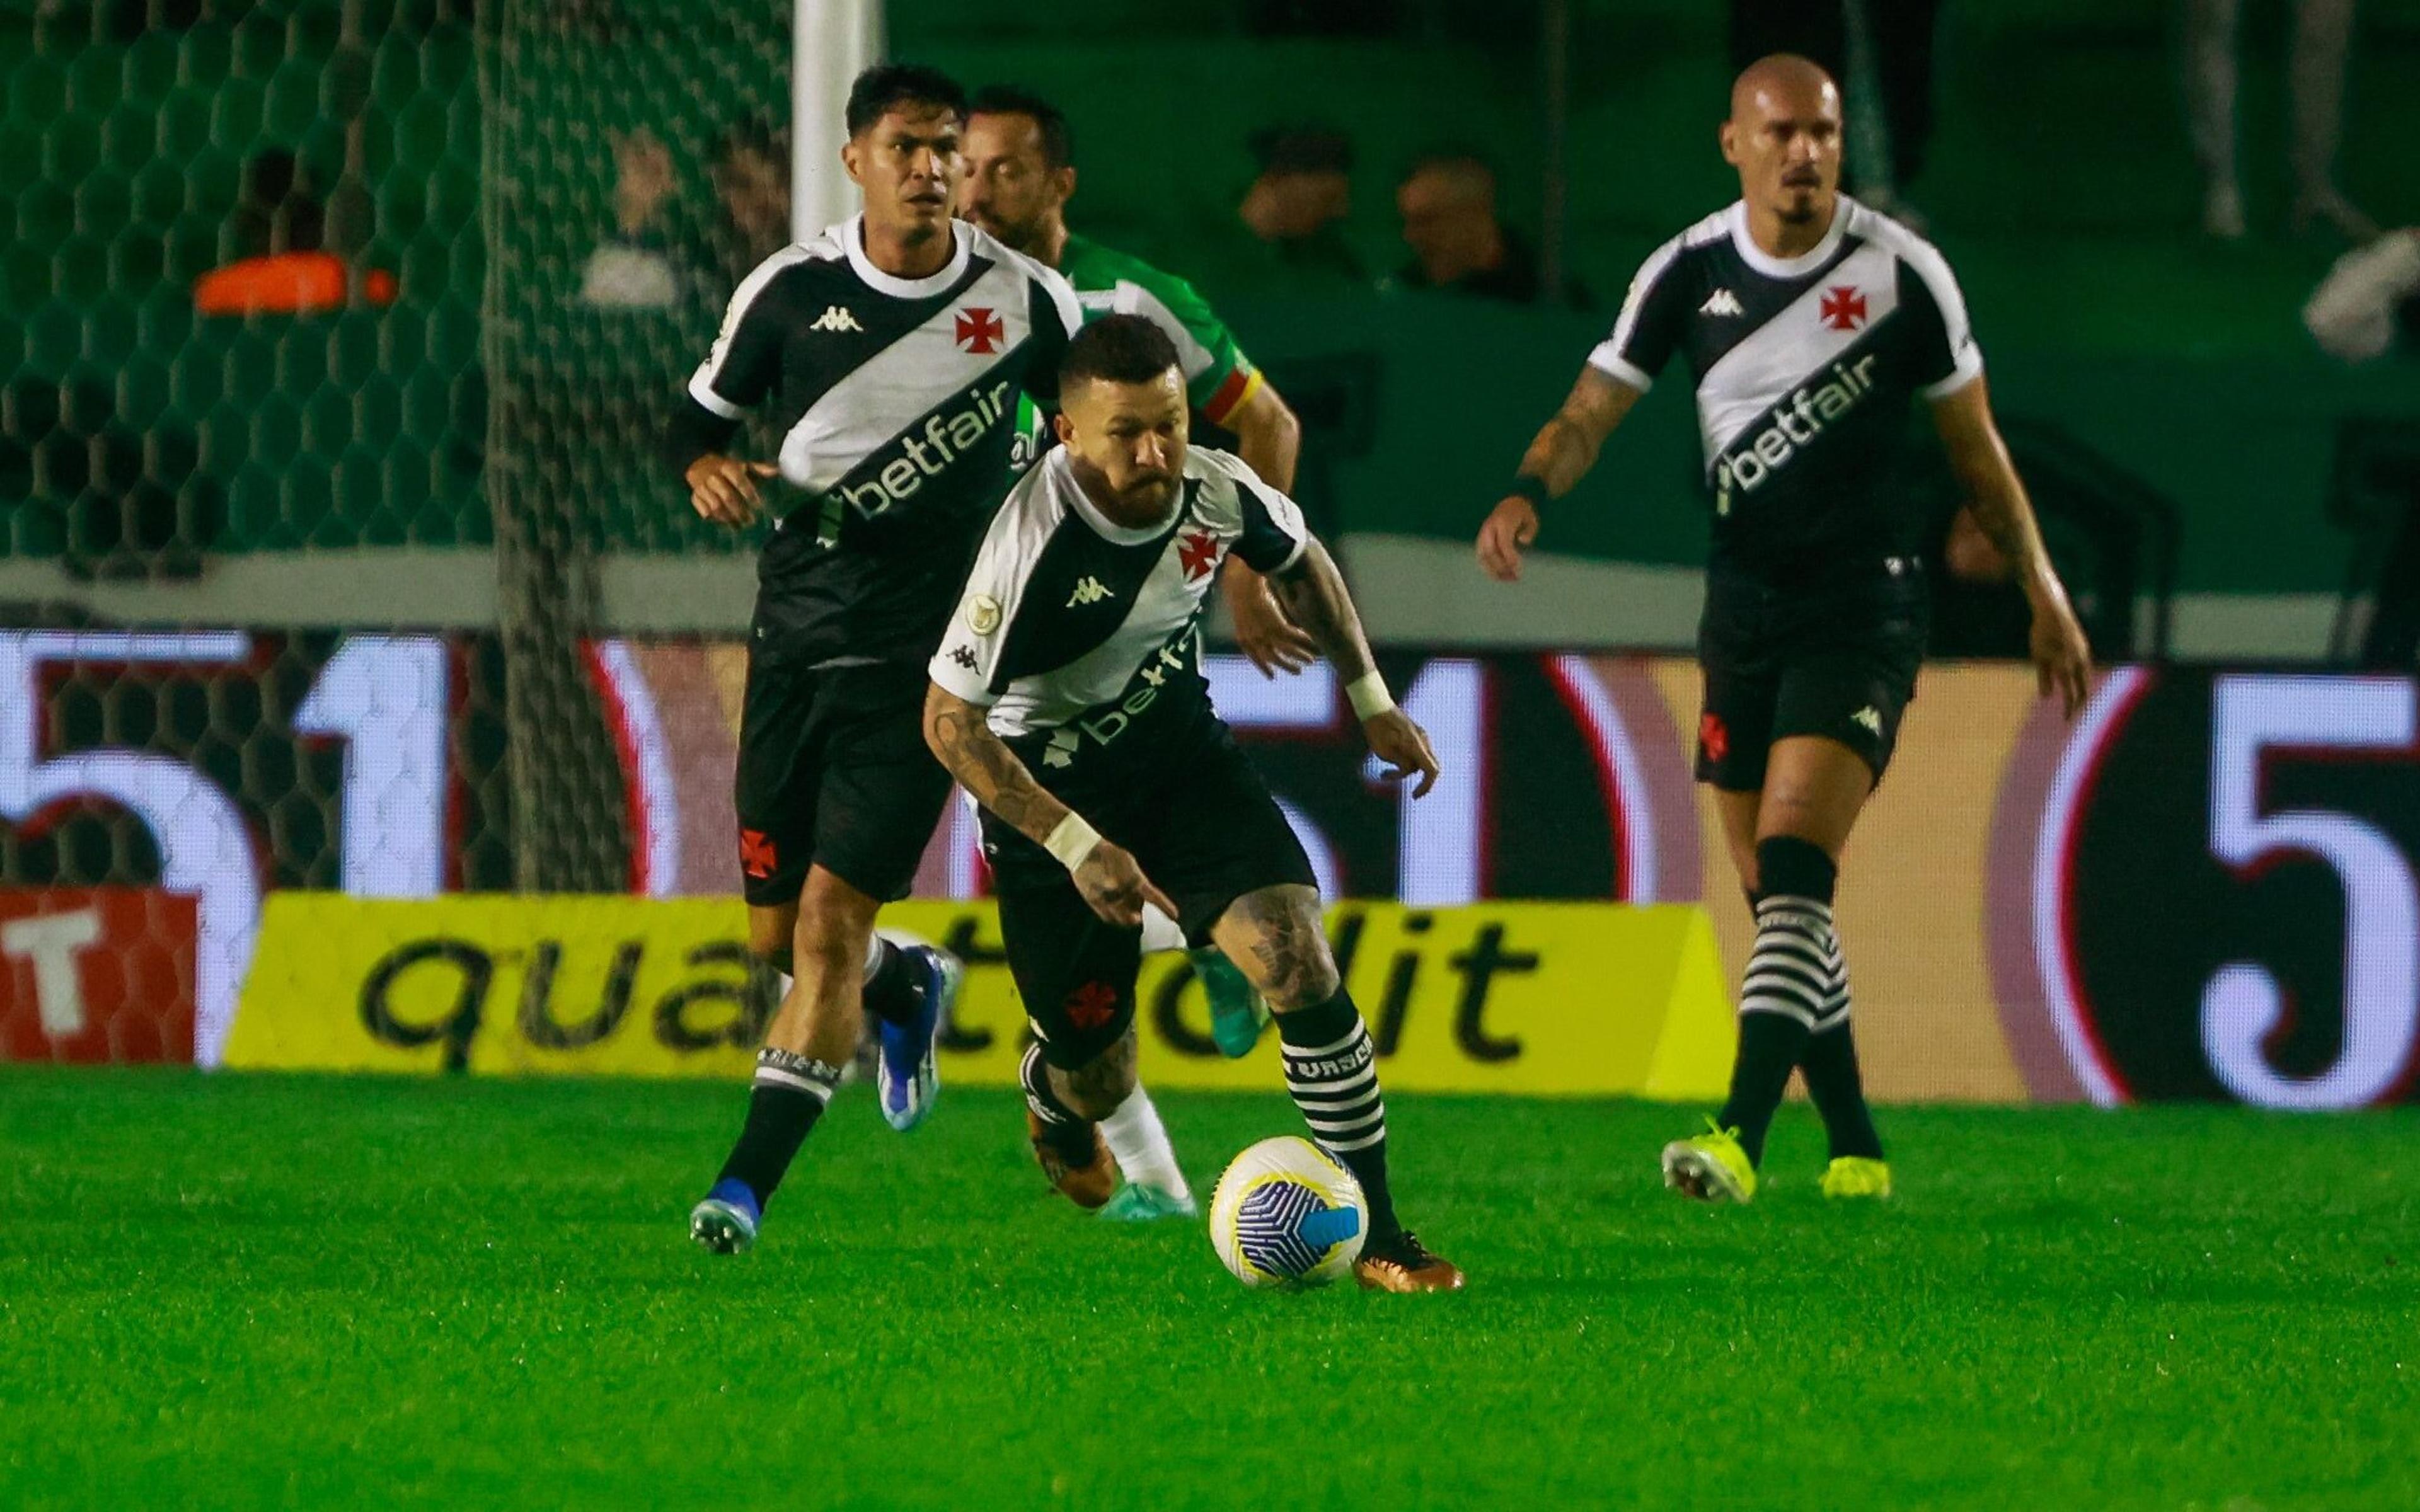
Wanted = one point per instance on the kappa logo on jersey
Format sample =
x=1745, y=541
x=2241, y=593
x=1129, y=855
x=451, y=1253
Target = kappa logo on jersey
x=896, y=473
x=964, y=657
x=1722, y=302
x=1869, y=716
x=1795, y=424
x=1089, y=590
x=836, y=317
x=979, y=330
x=1197, y=554
x=1843, y=307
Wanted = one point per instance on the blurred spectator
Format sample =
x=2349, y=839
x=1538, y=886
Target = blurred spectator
x=283, y=265
x=1459, y=246
x=1296, y=206
x=2367, y=306
x=2369, y=300
x=2314, y=76
x=657, y=258
x=1888, y=93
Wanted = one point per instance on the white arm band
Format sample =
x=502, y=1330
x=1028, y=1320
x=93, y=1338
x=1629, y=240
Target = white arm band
x=1368, y=697
x=1072, y=841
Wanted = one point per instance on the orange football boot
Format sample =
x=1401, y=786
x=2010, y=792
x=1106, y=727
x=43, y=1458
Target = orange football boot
x=1403, y=1263
x=1088, y=1183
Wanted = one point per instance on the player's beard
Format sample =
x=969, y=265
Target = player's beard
x=1019, y=235
x=1149, y=496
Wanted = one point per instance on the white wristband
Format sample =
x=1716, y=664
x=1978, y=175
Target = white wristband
x=1368, y=697
x=1072, y=841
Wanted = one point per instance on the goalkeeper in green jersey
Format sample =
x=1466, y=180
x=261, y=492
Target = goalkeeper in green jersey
x=1017, y=179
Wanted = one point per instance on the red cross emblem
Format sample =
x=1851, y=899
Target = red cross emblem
x=1198, y=553
x=758, y=857
x=979, y=330
x=1844, y=308
x=1713, y=737
x=1092, y=1005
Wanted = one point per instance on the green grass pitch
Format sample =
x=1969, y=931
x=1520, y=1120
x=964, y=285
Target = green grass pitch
x=241, y=1291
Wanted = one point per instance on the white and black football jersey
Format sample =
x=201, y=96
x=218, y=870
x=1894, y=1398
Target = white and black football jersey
x=897, y=400
x=1805, y=368
x=1083, y=635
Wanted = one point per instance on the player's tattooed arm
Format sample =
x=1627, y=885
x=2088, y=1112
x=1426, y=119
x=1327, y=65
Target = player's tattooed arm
x=1995, y=497
x=1311, y=592
x=960, y=735
x=1557, y=459
x=1312, y=595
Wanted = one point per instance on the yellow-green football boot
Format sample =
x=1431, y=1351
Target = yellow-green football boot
x=1852, y=1177
x=1711, y=1167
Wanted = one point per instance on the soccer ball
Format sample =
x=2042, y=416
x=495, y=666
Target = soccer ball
x=1287, y=1215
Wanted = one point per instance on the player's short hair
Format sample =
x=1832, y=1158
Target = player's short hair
x=1117, y=348
x=1058, y=142
x=886, y=87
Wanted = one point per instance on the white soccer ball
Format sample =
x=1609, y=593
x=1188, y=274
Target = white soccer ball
x=1286, y=1214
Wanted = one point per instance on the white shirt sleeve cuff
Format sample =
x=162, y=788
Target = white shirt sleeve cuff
x=1605, y=360
x=1969, y=368
x=703, y=392
x=964, y=682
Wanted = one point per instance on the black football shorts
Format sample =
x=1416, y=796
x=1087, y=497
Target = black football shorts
x=1839, y=662
x=833, y=772
x=1203, y=828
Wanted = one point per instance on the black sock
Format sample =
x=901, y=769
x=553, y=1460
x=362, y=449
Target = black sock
x=891, y=993
x=787, y=1097
x=1830, y=1067
x=1789, y=973
x=1067, y=1129
x=1331, y=1068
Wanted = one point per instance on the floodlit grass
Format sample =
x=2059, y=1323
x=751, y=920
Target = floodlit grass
x=246, y=1291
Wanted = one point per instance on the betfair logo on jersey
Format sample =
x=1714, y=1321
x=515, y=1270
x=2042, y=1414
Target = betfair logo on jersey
x=893, y=474
x=1088, y=591
x=1795, y=424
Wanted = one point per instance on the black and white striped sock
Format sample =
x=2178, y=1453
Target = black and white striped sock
x=1331, y=1068
x=1788, y=975
x=1830, y=1068
x=785, y=1100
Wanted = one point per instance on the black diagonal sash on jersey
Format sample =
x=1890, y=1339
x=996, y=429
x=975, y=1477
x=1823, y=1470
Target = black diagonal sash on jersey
x=881, y=318
x=958, y=423
x=1081, y=590
x=1759, y=298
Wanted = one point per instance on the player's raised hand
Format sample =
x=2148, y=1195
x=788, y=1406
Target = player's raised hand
x=1404, y=747
x=723, y=488
x=1113, y=883
x=1509, y=531
x=2062, y=657
x=1269, y=640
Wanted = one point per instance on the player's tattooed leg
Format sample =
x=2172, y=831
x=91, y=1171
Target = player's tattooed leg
x=1095, y=1089
x=1276, y=938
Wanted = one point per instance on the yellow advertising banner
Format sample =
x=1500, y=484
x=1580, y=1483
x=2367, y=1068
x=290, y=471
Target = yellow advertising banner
x=1541, y=998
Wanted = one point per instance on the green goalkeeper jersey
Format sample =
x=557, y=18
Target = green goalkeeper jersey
x=1219, y=377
